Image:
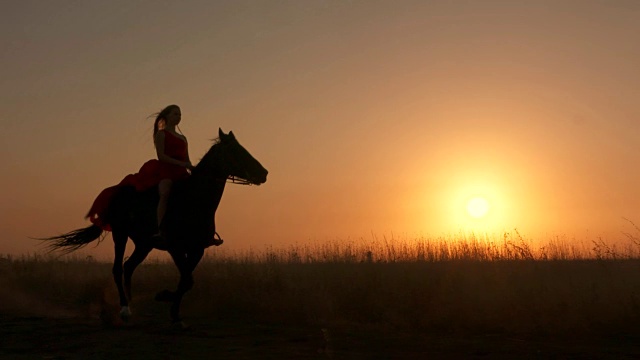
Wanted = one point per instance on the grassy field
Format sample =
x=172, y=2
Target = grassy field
x=463, y=287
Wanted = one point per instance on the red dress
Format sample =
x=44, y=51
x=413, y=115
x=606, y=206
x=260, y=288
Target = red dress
x=149, y=175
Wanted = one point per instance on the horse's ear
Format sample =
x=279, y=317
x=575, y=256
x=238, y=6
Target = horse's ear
x=231, y=134
x=220, y=133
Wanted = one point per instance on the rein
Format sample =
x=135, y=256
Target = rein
x=229, y=179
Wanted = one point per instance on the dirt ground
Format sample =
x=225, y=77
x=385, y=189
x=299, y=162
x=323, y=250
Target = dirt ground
x=154, y=338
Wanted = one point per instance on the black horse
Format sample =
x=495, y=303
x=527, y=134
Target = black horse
x=188, y=224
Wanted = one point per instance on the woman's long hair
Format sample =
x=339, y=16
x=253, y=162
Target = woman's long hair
x=161, y=116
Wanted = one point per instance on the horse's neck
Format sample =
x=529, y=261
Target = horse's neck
x=205, y=190
x=202, y=192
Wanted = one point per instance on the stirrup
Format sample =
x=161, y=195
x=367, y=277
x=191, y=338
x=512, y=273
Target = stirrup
x=215, y=241
x=159, y=241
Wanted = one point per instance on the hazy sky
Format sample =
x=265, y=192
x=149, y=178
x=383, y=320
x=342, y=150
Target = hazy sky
x=374, y=118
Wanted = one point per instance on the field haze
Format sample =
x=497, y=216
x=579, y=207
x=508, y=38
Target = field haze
x=392, y=299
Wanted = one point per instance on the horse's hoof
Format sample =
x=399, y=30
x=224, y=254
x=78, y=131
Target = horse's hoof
x=180, y=325
x=160, y=244
x=125, y=313
x=165, y=296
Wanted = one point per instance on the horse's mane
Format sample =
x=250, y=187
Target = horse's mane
x=214, y=142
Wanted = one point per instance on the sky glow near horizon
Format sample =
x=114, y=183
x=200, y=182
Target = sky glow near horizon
x=372, y=117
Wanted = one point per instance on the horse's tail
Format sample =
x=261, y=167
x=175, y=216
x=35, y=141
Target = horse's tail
x=74, y=240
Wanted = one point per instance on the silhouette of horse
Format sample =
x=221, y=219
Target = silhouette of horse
x=188, y=223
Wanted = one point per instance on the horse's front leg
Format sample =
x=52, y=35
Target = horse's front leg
x=186, y=263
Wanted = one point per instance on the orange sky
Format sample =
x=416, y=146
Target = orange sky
x=373, y=117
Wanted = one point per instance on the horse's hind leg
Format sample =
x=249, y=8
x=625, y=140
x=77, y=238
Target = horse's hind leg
x=120, y=242
x=138, y=256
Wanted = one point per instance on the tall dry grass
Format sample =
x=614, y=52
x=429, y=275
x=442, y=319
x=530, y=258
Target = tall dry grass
x=467, y=284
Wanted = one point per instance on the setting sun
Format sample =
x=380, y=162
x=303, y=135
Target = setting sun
x=478, y=207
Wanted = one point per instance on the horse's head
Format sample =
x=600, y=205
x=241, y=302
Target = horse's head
x=231, y=160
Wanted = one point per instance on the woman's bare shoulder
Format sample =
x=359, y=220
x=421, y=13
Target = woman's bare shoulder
x=179, y=136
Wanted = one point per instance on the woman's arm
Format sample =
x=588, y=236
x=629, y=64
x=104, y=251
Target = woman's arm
x=190, y=166
x=159, y=141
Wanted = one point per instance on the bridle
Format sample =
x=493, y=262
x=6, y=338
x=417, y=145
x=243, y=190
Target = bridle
x=238, y=180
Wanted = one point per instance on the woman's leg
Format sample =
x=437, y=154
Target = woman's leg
x=164, y=189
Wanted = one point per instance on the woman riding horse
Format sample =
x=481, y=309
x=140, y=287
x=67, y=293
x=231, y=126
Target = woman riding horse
x=188, y=223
